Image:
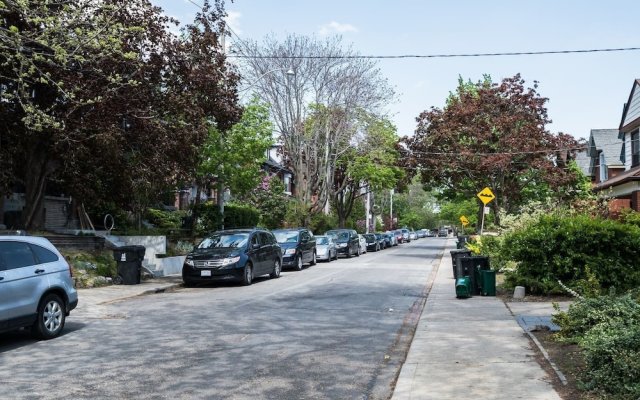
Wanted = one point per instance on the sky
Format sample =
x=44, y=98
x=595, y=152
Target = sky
x=585, y=91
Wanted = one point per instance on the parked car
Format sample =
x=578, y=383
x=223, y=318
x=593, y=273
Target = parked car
x=238, y=254
x=422, y=233
x=326, y=248
x=381, y=239
x=405, y=235
x=298, y=247
x=36, y=286
x=443, y=232
x=413, y=235
x=363, y=244
x=347, y=241
x=392, y=238
x=399, y=235
x=372, y=242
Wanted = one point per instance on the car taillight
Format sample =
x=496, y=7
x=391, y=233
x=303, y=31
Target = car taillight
x=68, y=265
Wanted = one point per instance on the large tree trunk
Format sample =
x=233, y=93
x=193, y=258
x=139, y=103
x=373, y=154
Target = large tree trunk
x=38, y=168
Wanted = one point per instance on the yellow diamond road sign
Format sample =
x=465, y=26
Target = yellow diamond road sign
x=464, y=220
x=486, y=195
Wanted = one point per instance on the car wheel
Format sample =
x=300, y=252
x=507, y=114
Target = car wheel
x=276, y=270
x=247, y=276
x=335, y=257
x=299, y=263
x=348, y=252
x=358, y=251
x=51, y=317
x=313, y=260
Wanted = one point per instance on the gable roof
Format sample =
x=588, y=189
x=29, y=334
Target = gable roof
x=607, y=141
x=583, y=161
x=631, y=111
x=627, y=176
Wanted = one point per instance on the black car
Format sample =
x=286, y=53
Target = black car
x=347, y=241
x=239, y=254
x=372, y=242
x=381, y=239
x=298, y=247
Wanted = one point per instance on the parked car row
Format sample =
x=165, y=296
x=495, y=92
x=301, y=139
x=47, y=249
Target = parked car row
x=244, y=254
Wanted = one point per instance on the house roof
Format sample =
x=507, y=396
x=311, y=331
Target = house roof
x=276, y=166
x=607, y=141
x=627, y=176
x=584, y=161
x=631, y=105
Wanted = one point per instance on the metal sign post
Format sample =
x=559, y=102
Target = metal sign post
x=485, y=196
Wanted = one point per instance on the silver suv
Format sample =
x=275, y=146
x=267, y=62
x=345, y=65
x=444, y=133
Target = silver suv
x=36, y=286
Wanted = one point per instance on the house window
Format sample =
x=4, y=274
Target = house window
x=635, y=149
x=604, y=172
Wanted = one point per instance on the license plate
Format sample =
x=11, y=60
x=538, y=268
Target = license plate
x=206, y=272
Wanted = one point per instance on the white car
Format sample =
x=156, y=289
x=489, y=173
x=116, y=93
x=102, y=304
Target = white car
x=363, y=244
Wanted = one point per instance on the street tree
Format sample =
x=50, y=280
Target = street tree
x=102, y=101
x=308, y=79
x=490, y=134
x=233, y=158
x=368, y=165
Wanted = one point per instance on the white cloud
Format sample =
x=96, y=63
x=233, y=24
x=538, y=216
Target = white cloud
x=233, y=21
x=336, y=27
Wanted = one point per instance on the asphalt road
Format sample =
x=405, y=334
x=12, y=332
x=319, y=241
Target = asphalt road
x=337, y=330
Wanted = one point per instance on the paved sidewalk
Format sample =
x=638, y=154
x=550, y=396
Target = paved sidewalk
x=92, y=303
x=469, y=348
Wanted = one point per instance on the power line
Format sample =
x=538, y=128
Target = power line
x=454, y=55
x=402, y=56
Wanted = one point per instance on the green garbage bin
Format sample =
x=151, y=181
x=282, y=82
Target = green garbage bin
x=471, y=266
x=488, y=279
x=463, y=287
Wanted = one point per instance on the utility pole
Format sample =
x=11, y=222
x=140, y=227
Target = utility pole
x=391, y=208
x=367, y=207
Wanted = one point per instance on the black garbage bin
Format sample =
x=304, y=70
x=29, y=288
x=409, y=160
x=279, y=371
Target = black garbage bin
x=129, y=260
x=455, y=254
x=471, y=267
x=462, y=241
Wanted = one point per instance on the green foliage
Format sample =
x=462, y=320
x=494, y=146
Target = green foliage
x=581, y=251
x=629, y=216
x=269, y=198
x=89, y=267
x=608, y=330
x=209, y=217
x=235, y=216
x=235, y=156
x=451, y=211
x=415, y=207
x=239, y=216
x=165, y=219
x=320, y=223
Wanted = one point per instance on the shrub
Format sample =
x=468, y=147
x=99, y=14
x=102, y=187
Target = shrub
x=608, y=330
x=90, y=268
x=165, y=219
x=237, y=216
x=581, y=251
x=320, y=223
x=587, y=313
